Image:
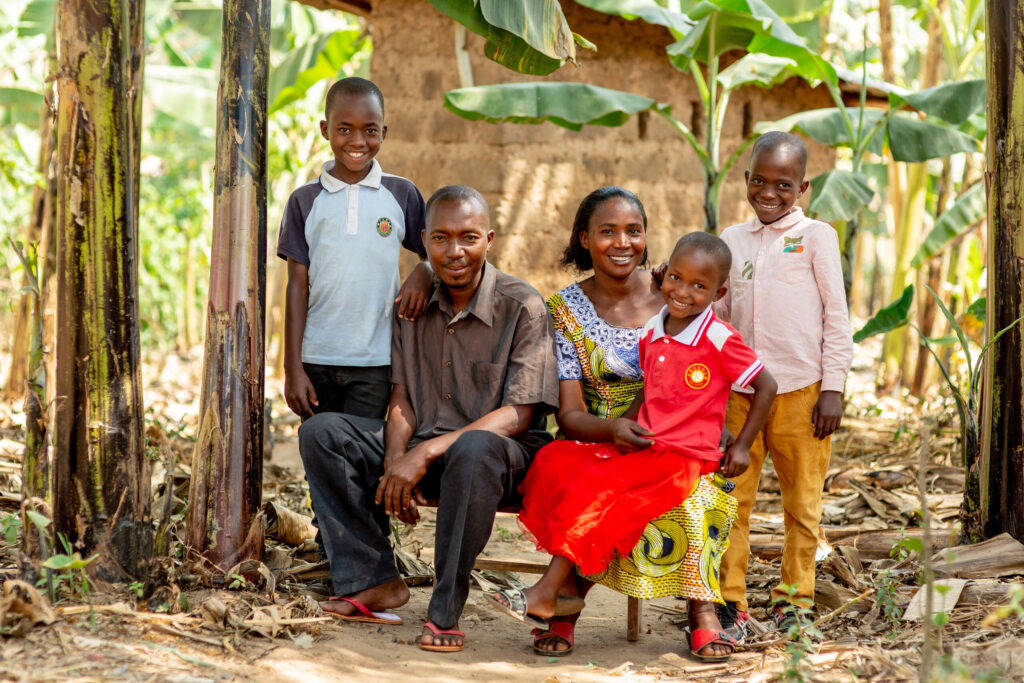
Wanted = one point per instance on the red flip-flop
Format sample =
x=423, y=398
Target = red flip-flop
x=702, y=637
x=557, y=630
x=363, y=613
x=438, y=631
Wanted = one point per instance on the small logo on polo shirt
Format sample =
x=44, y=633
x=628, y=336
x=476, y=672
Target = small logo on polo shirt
x=384, y=227
x=792, y=245
x=697, y=376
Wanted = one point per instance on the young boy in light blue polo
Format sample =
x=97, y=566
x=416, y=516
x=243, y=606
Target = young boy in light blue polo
x=342, y=236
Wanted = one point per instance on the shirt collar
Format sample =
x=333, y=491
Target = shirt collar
x=795, y=215
x=482, y=303
x=332, y=184
x=691, y=334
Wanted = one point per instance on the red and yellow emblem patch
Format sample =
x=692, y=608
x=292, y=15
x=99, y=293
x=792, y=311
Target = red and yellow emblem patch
x=384, y=227
x=697, y=376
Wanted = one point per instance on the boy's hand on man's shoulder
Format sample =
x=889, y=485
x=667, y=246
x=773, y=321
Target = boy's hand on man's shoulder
x=415, y=292
x=827, y=413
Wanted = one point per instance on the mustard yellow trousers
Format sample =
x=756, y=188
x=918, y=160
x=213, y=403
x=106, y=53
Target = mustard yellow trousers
x=801, y=462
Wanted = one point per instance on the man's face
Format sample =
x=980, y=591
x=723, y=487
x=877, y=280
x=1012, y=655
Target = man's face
x=457, y=238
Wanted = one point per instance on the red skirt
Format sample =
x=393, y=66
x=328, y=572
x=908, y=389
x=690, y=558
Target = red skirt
x=580, y=503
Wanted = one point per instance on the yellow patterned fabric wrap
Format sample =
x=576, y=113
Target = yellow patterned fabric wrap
x=680, y=551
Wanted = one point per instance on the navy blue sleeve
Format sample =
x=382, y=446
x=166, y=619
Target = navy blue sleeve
x=414, y=208
x=291, y=242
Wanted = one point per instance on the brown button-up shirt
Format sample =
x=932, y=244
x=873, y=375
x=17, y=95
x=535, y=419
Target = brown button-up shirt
x=498, y=351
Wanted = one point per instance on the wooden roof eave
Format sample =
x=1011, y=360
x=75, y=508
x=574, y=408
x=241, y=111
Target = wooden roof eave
x=361, y=8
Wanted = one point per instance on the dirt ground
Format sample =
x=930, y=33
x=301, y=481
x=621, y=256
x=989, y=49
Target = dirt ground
x=191, y=629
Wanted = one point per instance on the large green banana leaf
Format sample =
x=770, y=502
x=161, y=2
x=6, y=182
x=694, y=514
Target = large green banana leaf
x=888, y=318
x=531, y=38
x=322, y=57
x=648, y=10
x=967, y=210
x=18, y=105
x=825, y=126
x=749, y=25
x=951, y=102
x=913, y=139
x=838, y=195
x=570, y=105
x=185, y=93
x=763, y=71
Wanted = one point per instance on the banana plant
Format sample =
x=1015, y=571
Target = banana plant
x=966, y=389
x=917, y=126
x=530, y=36
x=706, y=31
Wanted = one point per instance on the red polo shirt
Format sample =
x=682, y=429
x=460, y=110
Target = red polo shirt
x=687, y=380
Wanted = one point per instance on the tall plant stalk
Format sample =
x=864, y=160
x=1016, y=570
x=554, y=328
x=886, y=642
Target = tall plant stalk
x=101, y=473
x=1001, y=463
x=224, y=525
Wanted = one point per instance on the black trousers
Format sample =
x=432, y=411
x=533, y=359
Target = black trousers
x=344, y=460
x=350, y=389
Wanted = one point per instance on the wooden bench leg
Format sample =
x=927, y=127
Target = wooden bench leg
x=634, y=613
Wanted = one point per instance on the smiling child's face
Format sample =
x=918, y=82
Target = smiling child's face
x=775, y=181
x=355, y=130
x=693, y=280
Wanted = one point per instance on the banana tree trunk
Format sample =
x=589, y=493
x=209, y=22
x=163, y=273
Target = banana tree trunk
x=906, y=236
x=1002, y=466
x=23, y=317
x=224, y=525
x=101, y=472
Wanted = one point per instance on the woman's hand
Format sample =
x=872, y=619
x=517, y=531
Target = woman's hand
x=628, y=435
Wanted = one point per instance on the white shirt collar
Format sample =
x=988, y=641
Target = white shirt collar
x=693, y=332
x=795, y=215
x=332, y=184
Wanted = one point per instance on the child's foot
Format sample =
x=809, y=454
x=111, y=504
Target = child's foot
x=734, y=621
x=388, y=595
x=708, y=641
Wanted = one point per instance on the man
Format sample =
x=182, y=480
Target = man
x=473, y=378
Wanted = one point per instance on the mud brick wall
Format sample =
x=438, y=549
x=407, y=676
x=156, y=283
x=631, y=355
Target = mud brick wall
x=535, y=176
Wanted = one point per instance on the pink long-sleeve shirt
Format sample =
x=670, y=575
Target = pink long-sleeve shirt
x=787, y=300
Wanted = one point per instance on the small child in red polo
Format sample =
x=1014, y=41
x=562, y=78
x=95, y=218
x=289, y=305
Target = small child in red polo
x=585, y=502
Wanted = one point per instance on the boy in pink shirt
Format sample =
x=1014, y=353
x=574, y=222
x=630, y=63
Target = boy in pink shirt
x=786, y=299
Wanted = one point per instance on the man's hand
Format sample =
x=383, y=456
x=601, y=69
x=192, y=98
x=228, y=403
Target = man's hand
x=735, y=462
x=415, y=293
x=827, y=413
x=398, y=489
x=299, y=393
x=628, y=435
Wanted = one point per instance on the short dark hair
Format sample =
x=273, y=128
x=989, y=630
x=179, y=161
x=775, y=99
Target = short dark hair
x=776, y=139
x=456, y=193
x=352, y=85
x=712, y=245
x=575, y=255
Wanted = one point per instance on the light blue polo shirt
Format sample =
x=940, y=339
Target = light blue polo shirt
x=350, y=237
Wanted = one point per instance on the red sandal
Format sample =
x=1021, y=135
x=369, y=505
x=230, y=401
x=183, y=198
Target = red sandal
x=702, y=637
x=560, y=630
x=437, y=631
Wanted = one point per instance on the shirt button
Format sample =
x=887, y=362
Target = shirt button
x=451, y=331
x=757, y=320
x=447, y=397
x=448, y=364
x=661, y=359
x=757, y=282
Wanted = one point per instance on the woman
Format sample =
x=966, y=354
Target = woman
x=598, y=324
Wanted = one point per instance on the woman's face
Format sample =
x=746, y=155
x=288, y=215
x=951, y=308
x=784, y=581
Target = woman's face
x=615, y=237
